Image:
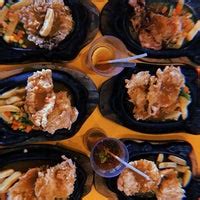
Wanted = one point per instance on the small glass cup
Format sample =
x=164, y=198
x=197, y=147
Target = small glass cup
x=92, y=136
x=104, y=164
x=102, y=49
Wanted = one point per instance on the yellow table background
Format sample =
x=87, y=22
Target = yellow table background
x=97, y=120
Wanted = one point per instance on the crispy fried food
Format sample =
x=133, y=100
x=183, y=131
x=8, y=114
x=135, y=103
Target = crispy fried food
x=56, y=182
x=63, y=114
x=170, y=188
x=177, y=160
x=24, y=188
x=157, y=97
x=131, y=183
x=9, y=181
x=164, y=92
x=9, y=108
x=159, y=27
x=40, y=97
x=33, y=18
x=187, y=177
x=137, y=91
x=6, y=173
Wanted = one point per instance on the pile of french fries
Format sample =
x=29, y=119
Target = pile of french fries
x=11, y=101
x=178, y=164
x=7, y=179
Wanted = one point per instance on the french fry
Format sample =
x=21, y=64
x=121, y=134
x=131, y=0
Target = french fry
x=21, y=4
x=19, y=103
x=8, y=94
x=7, y=183
x=177, y=160
x=12, y=100
x=21, y=90
x=182, y=169
x=194, y=31
x=187, y=177
x=6, y=173
x=9, y=108
x=2, y=2
x=5, y=118
x=12, y=92
x=2, y=102
x=165, y=165
x=160, y=157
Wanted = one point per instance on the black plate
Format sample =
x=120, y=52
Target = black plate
x=150, y=151
x=114, y=103
x=82, y=100
x=115, y=20
x=24, y=157
x=85, y=15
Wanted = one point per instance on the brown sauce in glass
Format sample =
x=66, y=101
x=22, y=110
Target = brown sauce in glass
x=103, y=159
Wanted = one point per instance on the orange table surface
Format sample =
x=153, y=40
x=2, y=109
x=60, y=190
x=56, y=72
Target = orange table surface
x=112, y=129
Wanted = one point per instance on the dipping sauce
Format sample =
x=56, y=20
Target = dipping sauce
x=103, y=163
x=103, y=159
x=102, y=53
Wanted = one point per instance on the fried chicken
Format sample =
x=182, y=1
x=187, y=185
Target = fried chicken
x=40, y=97
x=24, y=188
x=48, y=110
x=159, y=30
x=137, y=90
x=33, y=17
x=157, y=97
x=63, y=114
x=170, y=188
x=156, y=28
x=131, y=183
x=56, y=182
x=164, y=92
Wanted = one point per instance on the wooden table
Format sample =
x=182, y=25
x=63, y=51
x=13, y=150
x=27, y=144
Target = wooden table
x=112, y=129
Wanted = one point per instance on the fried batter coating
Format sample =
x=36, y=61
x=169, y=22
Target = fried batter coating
x=131, y=183
x=56, y=182
x=63, y=114
x=24, y=188
x=40, y=97
x=137, y=90
x=170, y=188
x=157, y=97
x=33, y=17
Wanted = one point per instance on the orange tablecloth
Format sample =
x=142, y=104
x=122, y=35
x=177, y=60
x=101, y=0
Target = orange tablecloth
x=112, y=129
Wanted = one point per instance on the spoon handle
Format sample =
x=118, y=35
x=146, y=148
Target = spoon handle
x=124, y=59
